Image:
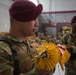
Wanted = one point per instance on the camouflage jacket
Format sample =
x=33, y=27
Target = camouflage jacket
x=25, y=55
x=70, y=66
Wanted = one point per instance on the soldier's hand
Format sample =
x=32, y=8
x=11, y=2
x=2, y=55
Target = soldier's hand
x=69, y=48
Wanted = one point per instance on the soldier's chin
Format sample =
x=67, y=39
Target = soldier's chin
x=32, y=34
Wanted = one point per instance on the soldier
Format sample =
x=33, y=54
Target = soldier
x=66, y=36
x=15, y=51
x=70, y=66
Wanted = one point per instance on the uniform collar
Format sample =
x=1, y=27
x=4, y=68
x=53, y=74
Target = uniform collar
x=16, y=39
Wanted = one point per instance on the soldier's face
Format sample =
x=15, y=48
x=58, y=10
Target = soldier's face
x=28, y=28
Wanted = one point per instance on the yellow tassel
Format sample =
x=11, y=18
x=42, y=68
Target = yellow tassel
x=48, y=56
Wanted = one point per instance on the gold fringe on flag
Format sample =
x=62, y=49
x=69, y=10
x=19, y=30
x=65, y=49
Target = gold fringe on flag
x=64, y=58
x=49, y=55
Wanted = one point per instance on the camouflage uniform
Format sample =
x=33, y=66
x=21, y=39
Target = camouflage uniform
x=70, y=66
x=25, y=54
x=6, y=60
x=65, y=38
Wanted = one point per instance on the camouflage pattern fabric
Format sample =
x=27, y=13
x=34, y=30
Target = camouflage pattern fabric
x=65, y=38
x=70, y=66
x=25, y=56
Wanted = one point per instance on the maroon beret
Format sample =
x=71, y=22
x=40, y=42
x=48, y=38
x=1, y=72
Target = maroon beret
x=73, y=20
x=25, y=10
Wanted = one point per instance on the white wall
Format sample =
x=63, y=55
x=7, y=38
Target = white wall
x=4, y=15
x=63, y=5
x=58, y=5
